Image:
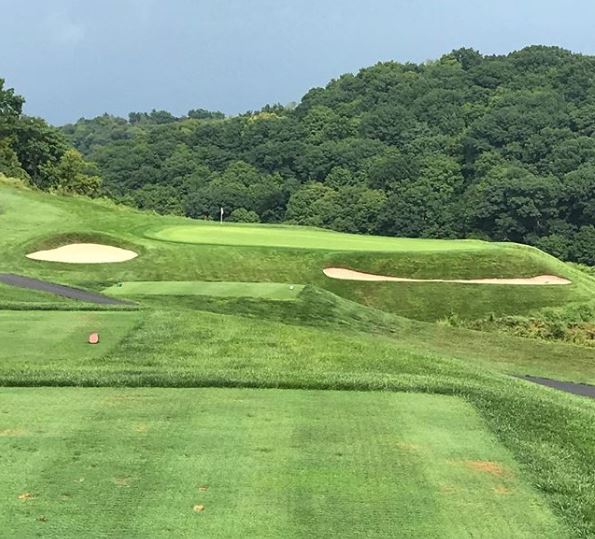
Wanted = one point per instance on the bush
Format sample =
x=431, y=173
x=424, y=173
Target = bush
x=242, y=215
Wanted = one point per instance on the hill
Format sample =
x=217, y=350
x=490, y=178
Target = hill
x=492, y=147
x=308, y=339
x=292, y=255
x=246, y=393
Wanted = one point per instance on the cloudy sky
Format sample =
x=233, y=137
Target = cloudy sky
x=73, y=58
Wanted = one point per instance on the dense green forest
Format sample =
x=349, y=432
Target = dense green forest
x=495, y=147
x=39, y=153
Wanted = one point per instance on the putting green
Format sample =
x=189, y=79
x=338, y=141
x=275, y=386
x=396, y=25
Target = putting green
x=276, y=291
x=256, y=463
x=305, y=238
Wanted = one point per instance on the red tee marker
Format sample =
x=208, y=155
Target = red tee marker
x=94, y=338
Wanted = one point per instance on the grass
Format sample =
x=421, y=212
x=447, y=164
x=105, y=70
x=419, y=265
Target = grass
x=420, y=403
x=31, y=337
x=305, y=238
x=268, y=291
x=218, y=463
x=11, y=294
x=33, y=221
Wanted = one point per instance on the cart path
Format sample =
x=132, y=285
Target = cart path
x=584, y=390
x=59, y=289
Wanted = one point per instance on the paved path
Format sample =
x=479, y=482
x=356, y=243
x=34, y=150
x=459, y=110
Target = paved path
x=585, y=390
x=59, y=289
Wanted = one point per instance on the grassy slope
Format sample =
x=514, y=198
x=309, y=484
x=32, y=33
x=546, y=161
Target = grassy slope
x=321, y=309
x=429, y=467
x=551, y=435
x=33, y=220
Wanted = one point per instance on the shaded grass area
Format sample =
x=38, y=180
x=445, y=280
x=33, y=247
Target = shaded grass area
x=270, y=291
x=264, y=463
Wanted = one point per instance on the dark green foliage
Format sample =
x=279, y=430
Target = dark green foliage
x=499, y=147
x=572, y=323
x=32, y=150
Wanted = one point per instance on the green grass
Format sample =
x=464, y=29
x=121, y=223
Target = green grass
x=261, y=463
x=184, y=348
x=305, y=238
x=269, y=291
x=33, y=221
x=140, y=450
x=13, y=294
x=31, y=337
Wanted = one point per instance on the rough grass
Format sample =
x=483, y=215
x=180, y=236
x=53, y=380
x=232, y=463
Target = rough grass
x=33, y=219
x=231, y=463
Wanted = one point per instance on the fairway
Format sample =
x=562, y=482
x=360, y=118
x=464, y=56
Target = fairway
x=256, y=463
x=39, y=336
x=306, y=238
x=274, y=291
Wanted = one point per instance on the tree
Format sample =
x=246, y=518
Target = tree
x=203, y=114
x=498, y=146
x=242, y=215
x=72, y=174
x=36, y=145
x=512, y=204
x=11, y=106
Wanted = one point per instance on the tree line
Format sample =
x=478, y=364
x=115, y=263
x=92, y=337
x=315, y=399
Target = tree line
x=40, y=154
x=493, y=147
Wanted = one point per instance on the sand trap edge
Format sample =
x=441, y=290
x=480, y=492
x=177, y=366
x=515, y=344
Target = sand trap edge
x=84, y=253
x=353, y=275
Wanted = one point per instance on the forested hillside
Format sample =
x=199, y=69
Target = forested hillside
x=40, y=154
x=498, y=147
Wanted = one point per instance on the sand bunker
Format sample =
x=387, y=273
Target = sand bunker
x=84, y=253
x=352, y=275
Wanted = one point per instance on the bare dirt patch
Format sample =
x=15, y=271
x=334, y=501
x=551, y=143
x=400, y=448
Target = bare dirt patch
x=84, y=253
x=353, y=275
x=486, y=466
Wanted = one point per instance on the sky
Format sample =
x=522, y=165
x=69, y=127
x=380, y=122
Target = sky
x=81, y=58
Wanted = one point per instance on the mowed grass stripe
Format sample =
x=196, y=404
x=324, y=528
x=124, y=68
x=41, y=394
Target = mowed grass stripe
x=266, y=463
x=275, y=291
x=35, y=338
x=305, y=238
